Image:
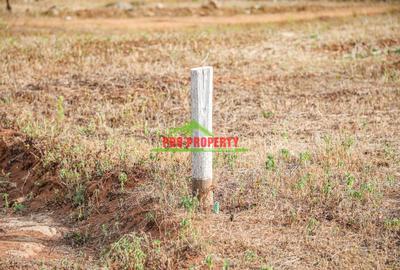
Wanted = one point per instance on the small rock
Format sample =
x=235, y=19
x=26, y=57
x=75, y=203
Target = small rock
x=288, y=34
x=149, y=14
x=122, y=6
x=46, y=231
x=212, y=4
x=20, y=199
x=53, y=11
x=159, y=5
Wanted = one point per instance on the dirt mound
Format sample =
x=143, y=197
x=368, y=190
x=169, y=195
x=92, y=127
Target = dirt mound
x=27, y=187
x=21, y=178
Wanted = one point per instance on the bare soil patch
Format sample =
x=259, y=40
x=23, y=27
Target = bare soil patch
x=36, y=237
x=168, y=22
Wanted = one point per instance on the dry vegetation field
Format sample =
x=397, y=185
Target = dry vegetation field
x=311, y=88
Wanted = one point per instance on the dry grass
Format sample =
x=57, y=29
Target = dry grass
x=316, y=102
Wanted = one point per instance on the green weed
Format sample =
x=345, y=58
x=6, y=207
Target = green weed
x=60, y=110
x=209, y=261
x=127, y=253
x=311, y=226
x=123, y=178
x=285, y=153
x=393, y=224
x=79, y=195
x=270, y=163
x=250, y=255
x=226, y=265
x=18, y=207
x=350, y=180
x=190, y=203
x=303, y=181
x=267, y=114
x=6, y=202
x=305, y=157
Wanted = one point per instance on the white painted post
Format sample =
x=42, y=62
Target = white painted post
x=201, y=91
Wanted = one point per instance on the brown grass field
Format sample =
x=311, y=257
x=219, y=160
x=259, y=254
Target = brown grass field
x=312, y=88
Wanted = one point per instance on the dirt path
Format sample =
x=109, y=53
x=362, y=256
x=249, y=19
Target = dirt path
x=31, y=237
x=113, y=24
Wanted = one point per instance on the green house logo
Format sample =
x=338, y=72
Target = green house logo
x=189, y=128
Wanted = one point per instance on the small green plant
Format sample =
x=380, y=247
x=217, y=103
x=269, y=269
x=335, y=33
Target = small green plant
x=389, y=151
x=157, y=245
x=150, y=216
x=186, y=229
x=250, y=255
x=123, y=178
x=5, y=199
x=127, y=253
x=267, y=114
x=391, y=180
x=190, y=203
x=226, y=265
x=350, y=180
x=18, y=207
x=80, y=213
x=109, y=143
x=348, y=143
x=285, y=135
x=341, y=164
x=393, y=224
x=88, y=130
x=102, y=166
x=266, y=268
x=209, y=261
x=270, y=163
x=104, y=230
x=79, y=195
x=303, y=181
x=185, y=224
x=367, y=187
x=327, y=188
x=216, y=208
x=356, y=194
x=69, y=176
x=305, y=157
x=311, y=226
x=32, y=129
x=285, y=153
x=60, y=110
